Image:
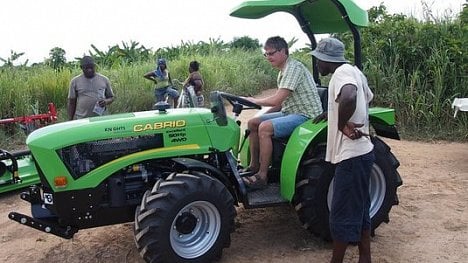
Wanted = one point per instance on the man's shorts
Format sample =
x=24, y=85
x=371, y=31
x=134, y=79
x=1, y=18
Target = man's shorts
x=161, y=93
x=349, y=213
x=283, y=124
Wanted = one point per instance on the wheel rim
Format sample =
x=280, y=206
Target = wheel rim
x=195, y=229
x=377, y=190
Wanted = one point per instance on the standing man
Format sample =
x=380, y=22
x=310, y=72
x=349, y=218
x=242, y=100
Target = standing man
x=89, y=93
x=295, y=101
x=349, y=147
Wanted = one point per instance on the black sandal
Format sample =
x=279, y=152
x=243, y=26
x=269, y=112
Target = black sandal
x=259, y=182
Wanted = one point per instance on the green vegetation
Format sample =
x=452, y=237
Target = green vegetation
x=416, y=67
x=421, y=67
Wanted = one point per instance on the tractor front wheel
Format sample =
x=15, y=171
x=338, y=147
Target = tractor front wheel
x=185, y=218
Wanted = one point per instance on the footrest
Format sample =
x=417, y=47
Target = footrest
x=270, y=196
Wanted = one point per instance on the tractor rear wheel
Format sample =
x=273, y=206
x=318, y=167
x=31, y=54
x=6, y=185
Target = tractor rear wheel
x=184, y=218
x=314, y=190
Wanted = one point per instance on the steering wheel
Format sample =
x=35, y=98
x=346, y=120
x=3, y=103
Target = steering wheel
x=239, y=103
x=233, y=99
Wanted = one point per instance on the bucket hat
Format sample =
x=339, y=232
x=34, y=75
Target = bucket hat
x=330, y=50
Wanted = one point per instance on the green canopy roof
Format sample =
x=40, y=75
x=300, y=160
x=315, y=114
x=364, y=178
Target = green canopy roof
x=321, y=16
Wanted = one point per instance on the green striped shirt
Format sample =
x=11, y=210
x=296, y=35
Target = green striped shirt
x=304, y=98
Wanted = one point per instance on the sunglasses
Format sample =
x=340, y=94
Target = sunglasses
x=269, y=54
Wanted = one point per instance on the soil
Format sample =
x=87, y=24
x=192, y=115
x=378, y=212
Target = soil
x=429, y=225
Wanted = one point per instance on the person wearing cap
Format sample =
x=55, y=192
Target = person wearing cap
x=349, y=147
x=89, y=93
x=295, y=101
x=161, y=77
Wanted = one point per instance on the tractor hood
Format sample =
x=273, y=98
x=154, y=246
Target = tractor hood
x=119, y=126
x=315, y=16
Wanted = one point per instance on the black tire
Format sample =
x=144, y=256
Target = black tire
x=314, y=190
x=185, y=218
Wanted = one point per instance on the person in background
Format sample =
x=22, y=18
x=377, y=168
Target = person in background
x=89, y=93
x=296, y=101
x=195, y=81
x=349, y=147
x=162, y=78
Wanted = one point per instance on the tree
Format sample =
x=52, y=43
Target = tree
x=57, y=58
x=245, y=42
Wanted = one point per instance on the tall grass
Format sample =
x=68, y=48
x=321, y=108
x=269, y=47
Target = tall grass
x=418, y=68
x=239, y=72
x=235, y=71
x=22, y=88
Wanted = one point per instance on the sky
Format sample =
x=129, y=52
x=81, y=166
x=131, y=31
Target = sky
x=35, y=27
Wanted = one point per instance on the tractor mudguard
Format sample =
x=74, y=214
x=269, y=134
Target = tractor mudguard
x=196, y=165
x=299, y=141
x=383, y=122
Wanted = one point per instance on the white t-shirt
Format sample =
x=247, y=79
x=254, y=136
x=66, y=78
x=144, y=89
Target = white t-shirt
x=339, y=146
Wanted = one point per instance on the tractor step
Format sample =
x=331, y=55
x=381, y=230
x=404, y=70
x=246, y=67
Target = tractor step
x=269, y=196
x=47, y=227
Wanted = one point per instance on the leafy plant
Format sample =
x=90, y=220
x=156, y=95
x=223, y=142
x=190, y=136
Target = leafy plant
x=14, y=56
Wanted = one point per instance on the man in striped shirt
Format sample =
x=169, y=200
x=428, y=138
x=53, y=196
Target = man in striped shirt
x=296, y=101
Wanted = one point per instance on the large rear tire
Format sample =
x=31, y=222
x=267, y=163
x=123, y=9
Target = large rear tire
x=185, y=218
x=314, y=190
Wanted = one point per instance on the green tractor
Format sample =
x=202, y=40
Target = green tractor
x=175, y=172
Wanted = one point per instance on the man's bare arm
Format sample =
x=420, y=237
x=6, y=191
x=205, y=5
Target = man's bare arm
x=71, y=108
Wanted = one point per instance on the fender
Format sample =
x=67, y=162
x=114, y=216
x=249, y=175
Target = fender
x=383, y=122
x=298, y=143
x=199, y=166
x=381, y=119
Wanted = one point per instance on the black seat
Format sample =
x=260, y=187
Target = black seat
x=323, y=94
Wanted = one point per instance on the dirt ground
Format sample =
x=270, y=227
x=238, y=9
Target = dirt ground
x=429, y=225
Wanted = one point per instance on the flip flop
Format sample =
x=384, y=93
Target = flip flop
x=258, y=183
